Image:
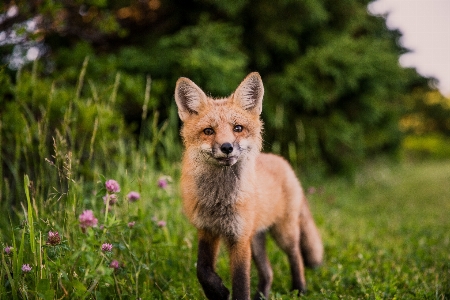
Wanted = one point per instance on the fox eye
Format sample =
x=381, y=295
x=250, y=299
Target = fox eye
x=238, y=128
x=208, y=131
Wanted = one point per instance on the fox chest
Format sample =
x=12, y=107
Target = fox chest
x=216, y=208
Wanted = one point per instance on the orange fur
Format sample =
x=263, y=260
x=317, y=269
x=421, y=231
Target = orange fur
x=233, y=192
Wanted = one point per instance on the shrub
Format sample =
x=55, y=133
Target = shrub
x=77, y=130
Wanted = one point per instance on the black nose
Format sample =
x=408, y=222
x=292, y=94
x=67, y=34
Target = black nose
x=226, y=148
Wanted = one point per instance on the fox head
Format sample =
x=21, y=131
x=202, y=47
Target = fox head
x=221, y=131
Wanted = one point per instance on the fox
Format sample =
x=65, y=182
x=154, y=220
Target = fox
x=236, y=194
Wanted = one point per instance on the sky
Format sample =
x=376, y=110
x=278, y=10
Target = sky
x=425, y=25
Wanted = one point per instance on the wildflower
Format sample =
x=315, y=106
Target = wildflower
x=162, y=182
x=114, y=264
x=26, y=268
x=312, y=190
x=112, y=199
x=8, y=249
x=133, y=196
x=87, y=219
x=107, y=247
x=112, y=186
x=131, y=224
x=53, y=238
x=161, y=223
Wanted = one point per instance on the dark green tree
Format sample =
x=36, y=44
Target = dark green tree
x=334, y=88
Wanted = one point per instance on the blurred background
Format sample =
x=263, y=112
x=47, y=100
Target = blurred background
x=75, y=71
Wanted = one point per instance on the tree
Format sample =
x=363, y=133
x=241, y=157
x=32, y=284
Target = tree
x=334, y=88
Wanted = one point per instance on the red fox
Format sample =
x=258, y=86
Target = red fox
x=232, y=191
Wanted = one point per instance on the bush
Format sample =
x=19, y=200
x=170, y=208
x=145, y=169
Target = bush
x=427, y=146
x=334, y=90
x=44, y=121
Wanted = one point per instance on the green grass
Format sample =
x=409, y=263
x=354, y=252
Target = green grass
x=386, y=236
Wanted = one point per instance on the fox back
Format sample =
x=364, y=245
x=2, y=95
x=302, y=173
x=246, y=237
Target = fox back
x=232, y=191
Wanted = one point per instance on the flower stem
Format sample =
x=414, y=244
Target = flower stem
x=106, y=209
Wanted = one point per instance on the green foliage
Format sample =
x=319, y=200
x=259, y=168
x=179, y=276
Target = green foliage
x=77, y=129
x=334, y=90
x=427, y=146
x=341, y=85
x=427, y=113
x=427, y=125
x=208, y=53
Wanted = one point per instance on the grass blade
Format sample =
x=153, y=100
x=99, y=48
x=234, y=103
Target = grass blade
x=29, y=214
x=10, y=278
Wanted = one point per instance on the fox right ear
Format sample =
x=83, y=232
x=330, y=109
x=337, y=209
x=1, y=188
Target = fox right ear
x=188, y=97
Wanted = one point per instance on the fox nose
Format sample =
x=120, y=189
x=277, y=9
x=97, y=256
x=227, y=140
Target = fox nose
x=226, y=148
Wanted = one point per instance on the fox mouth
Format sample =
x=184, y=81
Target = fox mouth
x=226, y=161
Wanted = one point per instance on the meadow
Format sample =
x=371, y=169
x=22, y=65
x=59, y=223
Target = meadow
x=386, y=237
x=118, y=232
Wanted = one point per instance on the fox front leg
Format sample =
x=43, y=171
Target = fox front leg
x=208, y=247
x=240, y=260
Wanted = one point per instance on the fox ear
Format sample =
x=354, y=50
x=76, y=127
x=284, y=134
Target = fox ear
x=188, y=97
x=250, y=93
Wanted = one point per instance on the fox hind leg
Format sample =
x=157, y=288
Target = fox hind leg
x=265, y=273
x=287, y=236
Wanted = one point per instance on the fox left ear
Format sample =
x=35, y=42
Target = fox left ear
x=250, y=93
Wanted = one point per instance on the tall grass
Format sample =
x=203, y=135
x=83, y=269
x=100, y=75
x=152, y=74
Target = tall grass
x=386, y=234
x=68, y=177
